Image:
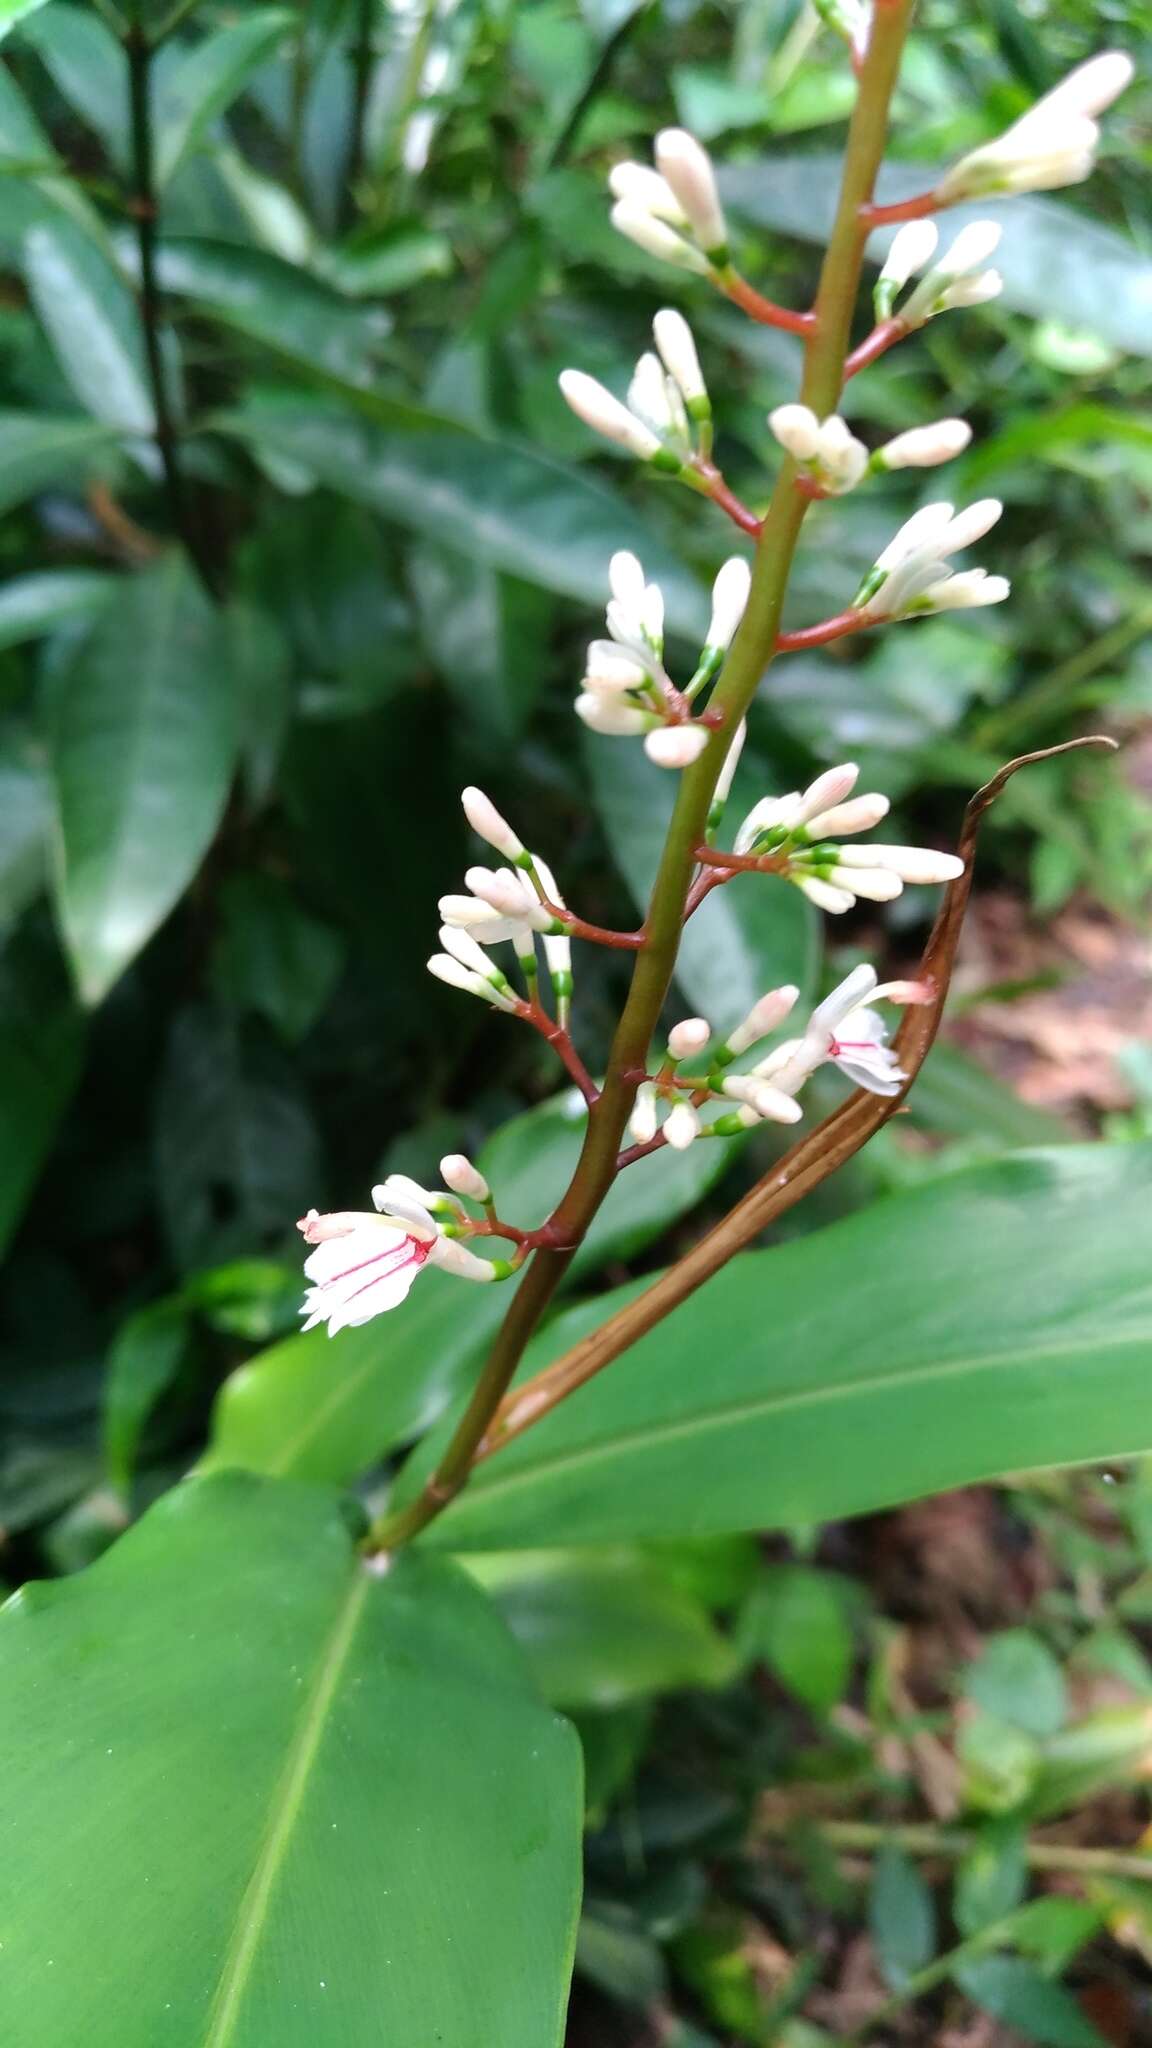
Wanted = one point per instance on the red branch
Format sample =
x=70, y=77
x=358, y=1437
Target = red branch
x=905, y=209
x=596, y=934
x=727, y=500
x=766, y=311
x=882, y=338
x=819, y=636
x=560, y=1039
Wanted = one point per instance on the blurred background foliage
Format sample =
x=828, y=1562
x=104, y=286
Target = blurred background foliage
x=231, y=735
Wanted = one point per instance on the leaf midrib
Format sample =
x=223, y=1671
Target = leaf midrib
x=625, y=1440
x=284, y=1810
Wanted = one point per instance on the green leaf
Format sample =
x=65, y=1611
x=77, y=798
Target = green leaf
x=487, y=497
x=1016, y=1992
x=1056, y=263
x=276, y=303
x=92, y=323
x=901, y=1916
x=37, y=450
x=529, y=1162
x=25, y=813
x=992, y=1878
x=797, y=1619
x=41, y=1047
x=272, y=958
x=1017, y=1677
x=196, y=88
x=34, y=605
x=12, y=11
x=997, y=1319
x=318, y=1407
x=142, y=747
x=144, y=1360
x=323, y=1801
x=87, y=67
x=600, y=1628
x=956, y=1095
x=752, y=935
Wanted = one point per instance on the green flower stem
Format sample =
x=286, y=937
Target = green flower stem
x=826, y=350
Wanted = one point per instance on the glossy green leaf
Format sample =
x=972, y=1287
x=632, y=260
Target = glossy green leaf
x=797, y=1619
x=956, y=1095
x=92, y=323
x=41, y=1047
x=1056, y=263
x=273, y=958
x=600, y=1628
x=87, y=67
x=1016, y=1992
x=320, y=1407
x=509, y=505
x=142, y=746
x=33, y=605
x=195, y=88
x=998, y=1319
x=752, y=935
x=37, y=450
x=323, y=1802
x=275, y=303
x=25, y=814
x=144, y=1360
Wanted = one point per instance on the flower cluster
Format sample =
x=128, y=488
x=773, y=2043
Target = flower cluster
x=504, y=904
x=796, y=836
x=1053, y=144
x=960, y=277
x=674, y=211
x=626, y=688
x=844, y=1031
x=913, y=576
x=365, y=1261
x=832, y=461
x=667, y=420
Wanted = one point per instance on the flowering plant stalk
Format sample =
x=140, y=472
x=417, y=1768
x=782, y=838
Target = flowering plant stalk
x=692, y=1087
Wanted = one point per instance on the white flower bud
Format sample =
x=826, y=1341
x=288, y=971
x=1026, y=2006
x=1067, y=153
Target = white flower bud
x=968, y=590
x=859, y=814
x=636, y=612
x=642, y=1122
x=689, y=1037
x=508, y=895
x=678, y=353
x=964, y=257
x=654, y=399
x=681, y=1126
x=911, y=863
x=797, y=429
x=458, y=1173
x=830, y=788
x=923, y=447
x=971, y=291
x=875, y=884
x=610, y=668
x=642, y=187
x=465, y=949
x=655, y=237
x=729, y=597
x=731, y=762
x=597, y=407
x=913, y=246
x=606, y=715
x=768, y=1102
x=676, y=746
x=488, y=824
x=687, y=168
x=1054, y=143
x=448, y=970
x=823, y=894
x=762, y=1019
x=456, y=1258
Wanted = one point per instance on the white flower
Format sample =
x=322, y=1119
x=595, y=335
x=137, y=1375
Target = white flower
x=488, y=824
x=500, y=907
x=844, y=1030
x=681, y=1126
x=451, y=971
x=686, y=168
x=912, y=573
x=642, y=1122
x=468, y=955
x=364, y=1264
x=959, y=278
x=674, y=339
x=606, y=715
x=923, y=447
x=912, y=247
x=781, y=816
x=612, y=669
x=910, y=863
x=592, y=402
x=688, y=1037
x=676, y=746
x=1053, y=144
x=638, y=185
x=762, y=1020
x=770, y=1104
x=859, y=814
x=825, y=450
x=636, y=611
x=729, y=598
x=458, y=1173
x=655, y=398
x=651, y=233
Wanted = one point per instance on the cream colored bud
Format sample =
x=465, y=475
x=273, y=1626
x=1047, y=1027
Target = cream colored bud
x=681, y=1126
x=924, y=447
x=687, y=168
x=458, y=1173
x=689, y=1037
x=676, y=746
x=488, y=824
x=598, y=409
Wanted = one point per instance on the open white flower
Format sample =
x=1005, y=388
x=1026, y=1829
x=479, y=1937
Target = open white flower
x=363, y=1263
x=1053, y=144
x=912, y=576
x=845, y=1030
